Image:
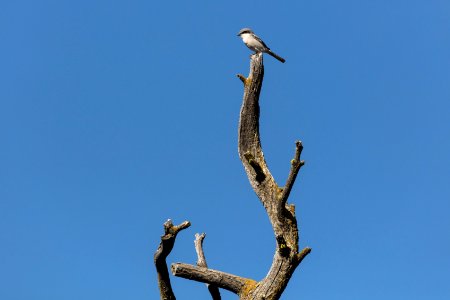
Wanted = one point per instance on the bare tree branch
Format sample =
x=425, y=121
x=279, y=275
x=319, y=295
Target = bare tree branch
x=201, y=262
x=220, y=279
x=164, y=249
x=274, y=198
x=303, y=254
x=296, y=164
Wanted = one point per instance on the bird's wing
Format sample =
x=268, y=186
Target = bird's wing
x=261, y=41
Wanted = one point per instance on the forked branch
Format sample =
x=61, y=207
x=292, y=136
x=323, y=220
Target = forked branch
x=274, y=199
x=164, y=249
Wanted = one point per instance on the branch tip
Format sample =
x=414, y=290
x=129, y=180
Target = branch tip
x=201, y=262
x=164, y=249
x=296, y=164
x=242, y=78
x=303, y=254
x=200, y=236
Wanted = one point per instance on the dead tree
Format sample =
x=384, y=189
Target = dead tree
x=274, y=198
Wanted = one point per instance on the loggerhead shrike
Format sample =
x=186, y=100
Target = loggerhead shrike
x=253, y=42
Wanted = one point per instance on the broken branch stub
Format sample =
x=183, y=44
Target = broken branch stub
x=164, y=249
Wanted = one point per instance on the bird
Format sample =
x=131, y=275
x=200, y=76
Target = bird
x=254, y=43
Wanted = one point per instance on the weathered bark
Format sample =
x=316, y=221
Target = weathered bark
x=201, y=262
x=220, y=279
x=164, y=249
x=274, y=199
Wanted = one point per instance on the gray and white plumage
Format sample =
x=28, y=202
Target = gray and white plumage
x=254, y=43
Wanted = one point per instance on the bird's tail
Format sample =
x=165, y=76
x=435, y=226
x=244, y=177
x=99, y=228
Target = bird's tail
x=276, y=56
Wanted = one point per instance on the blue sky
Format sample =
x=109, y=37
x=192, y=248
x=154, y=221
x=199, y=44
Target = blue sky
x=117, y=115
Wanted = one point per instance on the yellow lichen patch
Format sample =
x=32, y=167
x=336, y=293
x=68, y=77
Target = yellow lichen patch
x=248, y=287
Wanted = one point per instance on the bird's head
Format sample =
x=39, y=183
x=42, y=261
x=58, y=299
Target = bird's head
x=244, y=30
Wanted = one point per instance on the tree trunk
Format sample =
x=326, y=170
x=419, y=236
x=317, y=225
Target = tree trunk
x=274, y=199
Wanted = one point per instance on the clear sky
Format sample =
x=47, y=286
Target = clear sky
x=117, y=115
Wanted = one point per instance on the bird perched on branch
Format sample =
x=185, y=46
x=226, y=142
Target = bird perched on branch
x=253, y=42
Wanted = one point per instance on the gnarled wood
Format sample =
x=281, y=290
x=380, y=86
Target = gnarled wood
x=164, y=249
x=274, y=199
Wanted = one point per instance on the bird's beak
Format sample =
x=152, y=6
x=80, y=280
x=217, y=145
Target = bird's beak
x=238, y=34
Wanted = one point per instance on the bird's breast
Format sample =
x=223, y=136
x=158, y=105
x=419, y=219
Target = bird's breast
x=245, y=37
